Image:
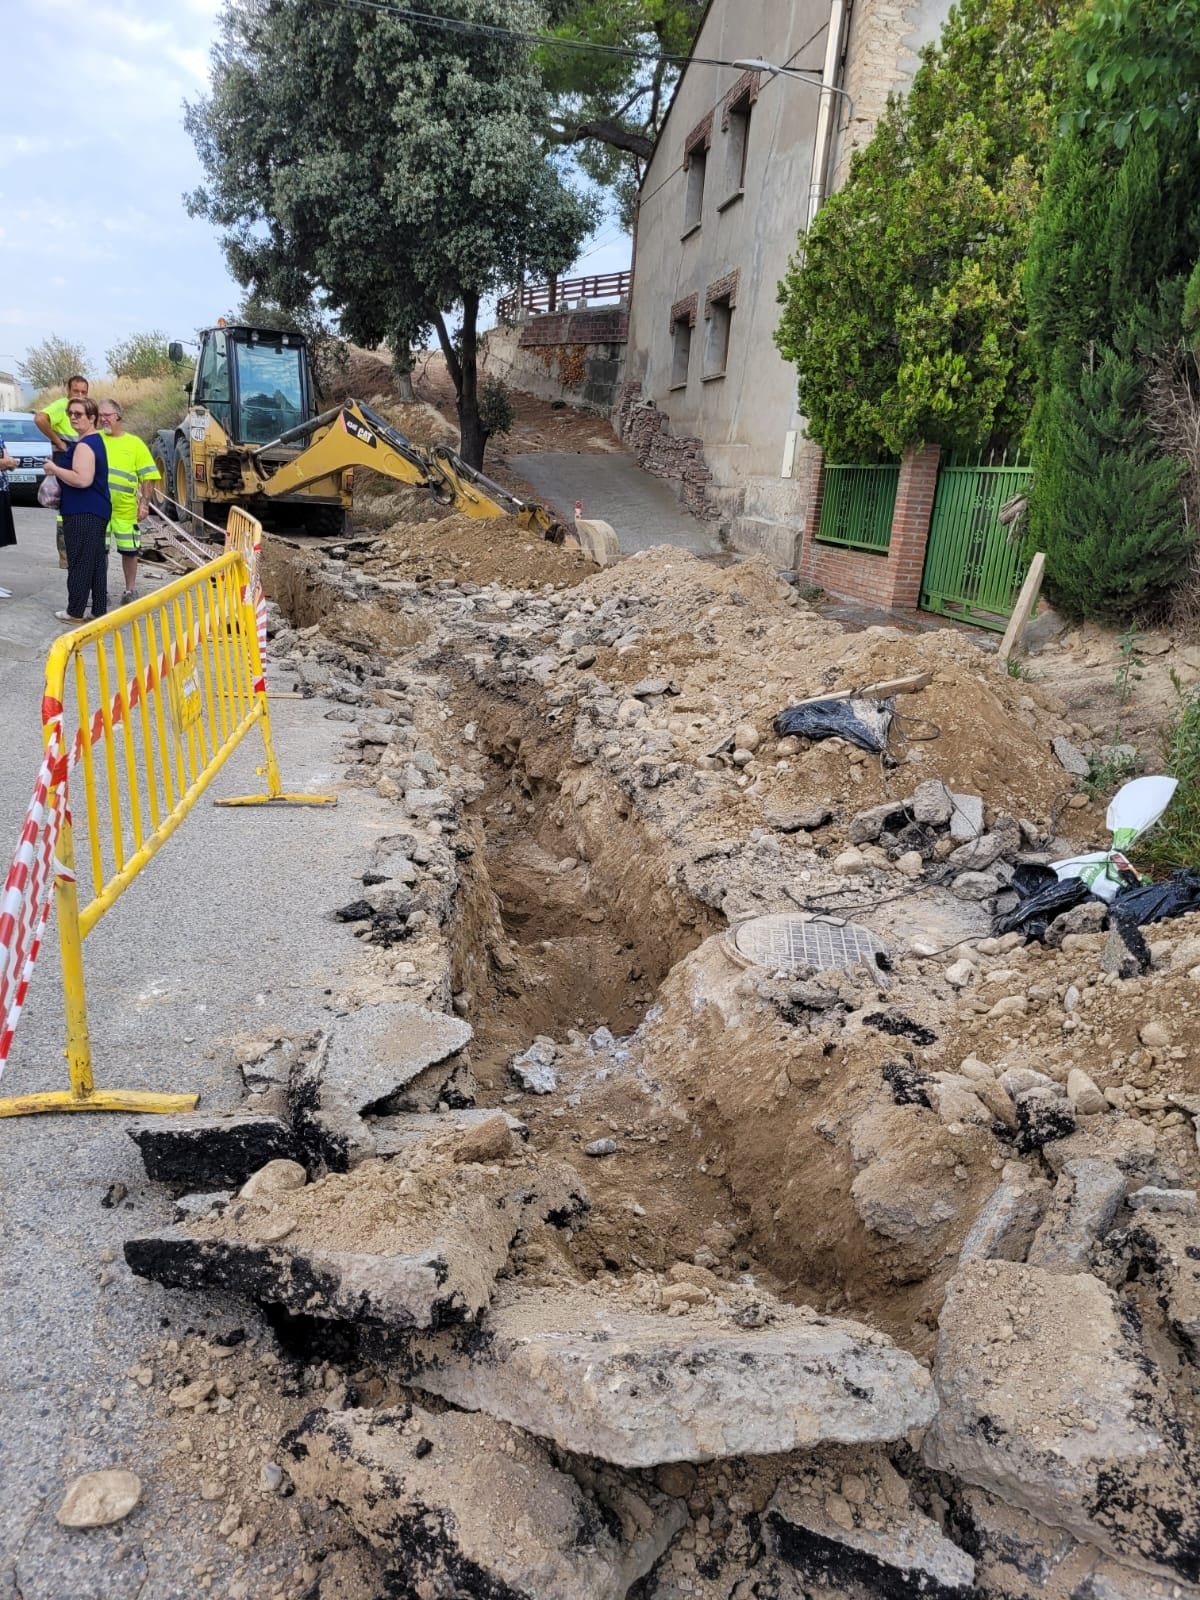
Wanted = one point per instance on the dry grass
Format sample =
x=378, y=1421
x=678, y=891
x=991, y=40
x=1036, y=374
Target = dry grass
x=148, y=403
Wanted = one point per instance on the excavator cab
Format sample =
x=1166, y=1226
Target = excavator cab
x=257, y=384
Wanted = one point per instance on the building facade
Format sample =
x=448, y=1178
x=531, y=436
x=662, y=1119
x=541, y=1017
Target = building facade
x=742, y=160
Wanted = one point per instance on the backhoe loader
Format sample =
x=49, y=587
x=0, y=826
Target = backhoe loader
x=242, y=442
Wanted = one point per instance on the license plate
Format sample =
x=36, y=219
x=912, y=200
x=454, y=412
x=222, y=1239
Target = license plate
x=24, y=475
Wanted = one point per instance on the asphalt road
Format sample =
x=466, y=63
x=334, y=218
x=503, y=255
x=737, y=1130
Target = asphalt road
x=227, y=932
x=641, y=508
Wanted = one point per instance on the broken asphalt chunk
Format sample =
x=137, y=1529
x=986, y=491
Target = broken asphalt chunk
x=457, y=1505
x=216, y=1152
x=385, y=1058
x=639, y=1389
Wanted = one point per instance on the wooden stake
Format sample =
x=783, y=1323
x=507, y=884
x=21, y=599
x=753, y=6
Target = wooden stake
x=1023, y=609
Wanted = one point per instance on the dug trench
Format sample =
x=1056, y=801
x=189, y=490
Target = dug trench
x=607, y=1261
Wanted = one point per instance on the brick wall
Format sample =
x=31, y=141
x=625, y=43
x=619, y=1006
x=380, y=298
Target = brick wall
x=680, y=460
x=603, y=325
x=891, y=581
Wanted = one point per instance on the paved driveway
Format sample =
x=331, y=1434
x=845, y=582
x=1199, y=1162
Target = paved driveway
x=642, y=509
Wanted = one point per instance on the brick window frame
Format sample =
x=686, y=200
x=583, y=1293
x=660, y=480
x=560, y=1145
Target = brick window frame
x=695, y=168
x=685, y=311
x=720, y=298
x=736, y=106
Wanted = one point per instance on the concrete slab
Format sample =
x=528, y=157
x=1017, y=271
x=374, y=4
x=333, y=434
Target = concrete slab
x=640, y=1389
x=641, y=508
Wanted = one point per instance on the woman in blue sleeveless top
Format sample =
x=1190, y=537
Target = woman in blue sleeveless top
x=82, y=470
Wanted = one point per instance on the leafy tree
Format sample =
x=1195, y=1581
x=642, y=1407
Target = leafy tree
x=1105, y=501
x=1141, y=65
x=141, y=355
x=610, y=108
x=1114, y=247
x=902, y=307
x=391, y=174
x=48, y=364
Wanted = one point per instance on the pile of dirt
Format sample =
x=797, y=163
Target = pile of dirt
x=458, y=549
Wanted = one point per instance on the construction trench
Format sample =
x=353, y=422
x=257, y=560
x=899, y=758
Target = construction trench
x=611, y=1240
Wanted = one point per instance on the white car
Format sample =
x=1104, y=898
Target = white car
x=31, y=448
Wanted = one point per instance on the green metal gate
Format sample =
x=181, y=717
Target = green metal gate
x=973, y=568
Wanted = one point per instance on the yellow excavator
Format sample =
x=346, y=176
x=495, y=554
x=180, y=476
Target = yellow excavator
x=252, y=437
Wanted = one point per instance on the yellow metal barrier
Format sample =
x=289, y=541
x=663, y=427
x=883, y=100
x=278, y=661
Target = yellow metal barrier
x=176, y=680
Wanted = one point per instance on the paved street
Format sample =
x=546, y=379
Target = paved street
x=226, y=932
x=642, y=509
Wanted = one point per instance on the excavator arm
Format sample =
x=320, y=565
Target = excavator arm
x=352, y=435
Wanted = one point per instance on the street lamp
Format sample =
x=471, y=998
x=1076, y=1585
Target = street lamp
x=801, y=74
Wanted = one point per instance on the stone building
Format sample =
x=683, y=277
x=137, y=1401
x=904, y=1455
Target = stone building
x=743, y=161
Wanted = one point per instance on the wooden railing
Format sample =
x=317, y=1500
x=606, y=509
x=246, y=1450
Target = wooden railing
x=560, y=292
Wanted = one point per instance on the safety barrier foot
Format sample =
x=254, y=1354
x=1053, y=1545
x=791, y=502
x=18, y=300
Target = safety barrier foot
x=135, y=1100
x=279, y=800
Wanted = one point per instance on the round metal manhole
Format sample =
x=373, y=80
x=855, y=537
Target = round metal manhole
x=789, y=942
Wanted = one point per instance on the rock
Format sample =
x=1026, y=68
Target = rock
x=1150, y=1198
x=979, y=854
x=932, y=803
x=849, y=862
x=746, y=737
x=486, y=1141
x=1154, y=1035
x=649, y=688
x=277, y=1177
x=630, y=711
x=966, y=819
x=1009, y=1005
x=960, y=973
x=1070, y=759
x=457, y=1505
x=1042, y=1115
x=866, y=827
x=1089, y=917
x=422, y=1267
x=533, y=1070
x=97, y=1499
x=1019, y=1080
x=217, y=1152
x=402, y=1134
x=1082, y=1209
x=871, y=1540
x=975, y=885
x=1163, y=1250
x=1047, y=1401
x=900, y=1194
x=384, y=1058
x=955, y=1101
x=807, y=821
x=910, y=864
x=1086, y=1099
x=601, y=1147
x=640, y=1389
x=1125, y=953
x=1006, y=1223
x=998, y=1102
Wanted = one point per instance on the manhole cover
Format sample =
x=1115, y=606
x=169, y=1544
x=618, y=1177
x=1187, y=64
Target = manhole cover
x=787, y=942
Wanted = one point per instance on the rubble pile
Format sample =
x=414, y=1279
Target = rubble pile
x=606, y=1260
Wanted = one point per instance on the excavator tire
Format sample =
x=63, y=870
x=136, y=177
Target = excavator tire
x=164, y=460
x=179, y=485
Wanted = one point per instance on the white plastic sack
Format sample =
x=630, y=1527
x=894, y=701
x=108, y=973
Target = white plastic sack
x=1132, y=811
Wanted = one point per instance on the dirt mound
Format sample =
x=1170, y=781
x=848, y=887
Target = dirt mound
x=459, y=549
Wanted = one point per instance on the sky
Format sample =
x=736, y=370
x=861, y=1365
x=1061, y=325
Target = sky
x=95, y=241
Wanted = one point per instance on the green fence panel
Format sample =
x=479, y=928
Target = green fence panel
x=973, y=568
x=857, y=506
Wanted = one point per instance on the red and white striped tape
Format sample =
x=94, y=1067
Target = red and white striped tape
x=25, y=901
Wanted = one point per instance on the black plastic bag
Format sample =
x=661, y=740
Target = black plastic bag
x=1157, y=902
x=864, y=722
x=1043, y=898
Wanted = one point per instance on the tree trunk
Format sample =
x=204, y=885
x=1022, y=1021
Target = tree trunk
x=471, y=431
x=402, y=370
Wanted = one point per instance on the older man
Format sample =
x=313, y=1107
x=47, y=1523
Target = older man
x=131, y=471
